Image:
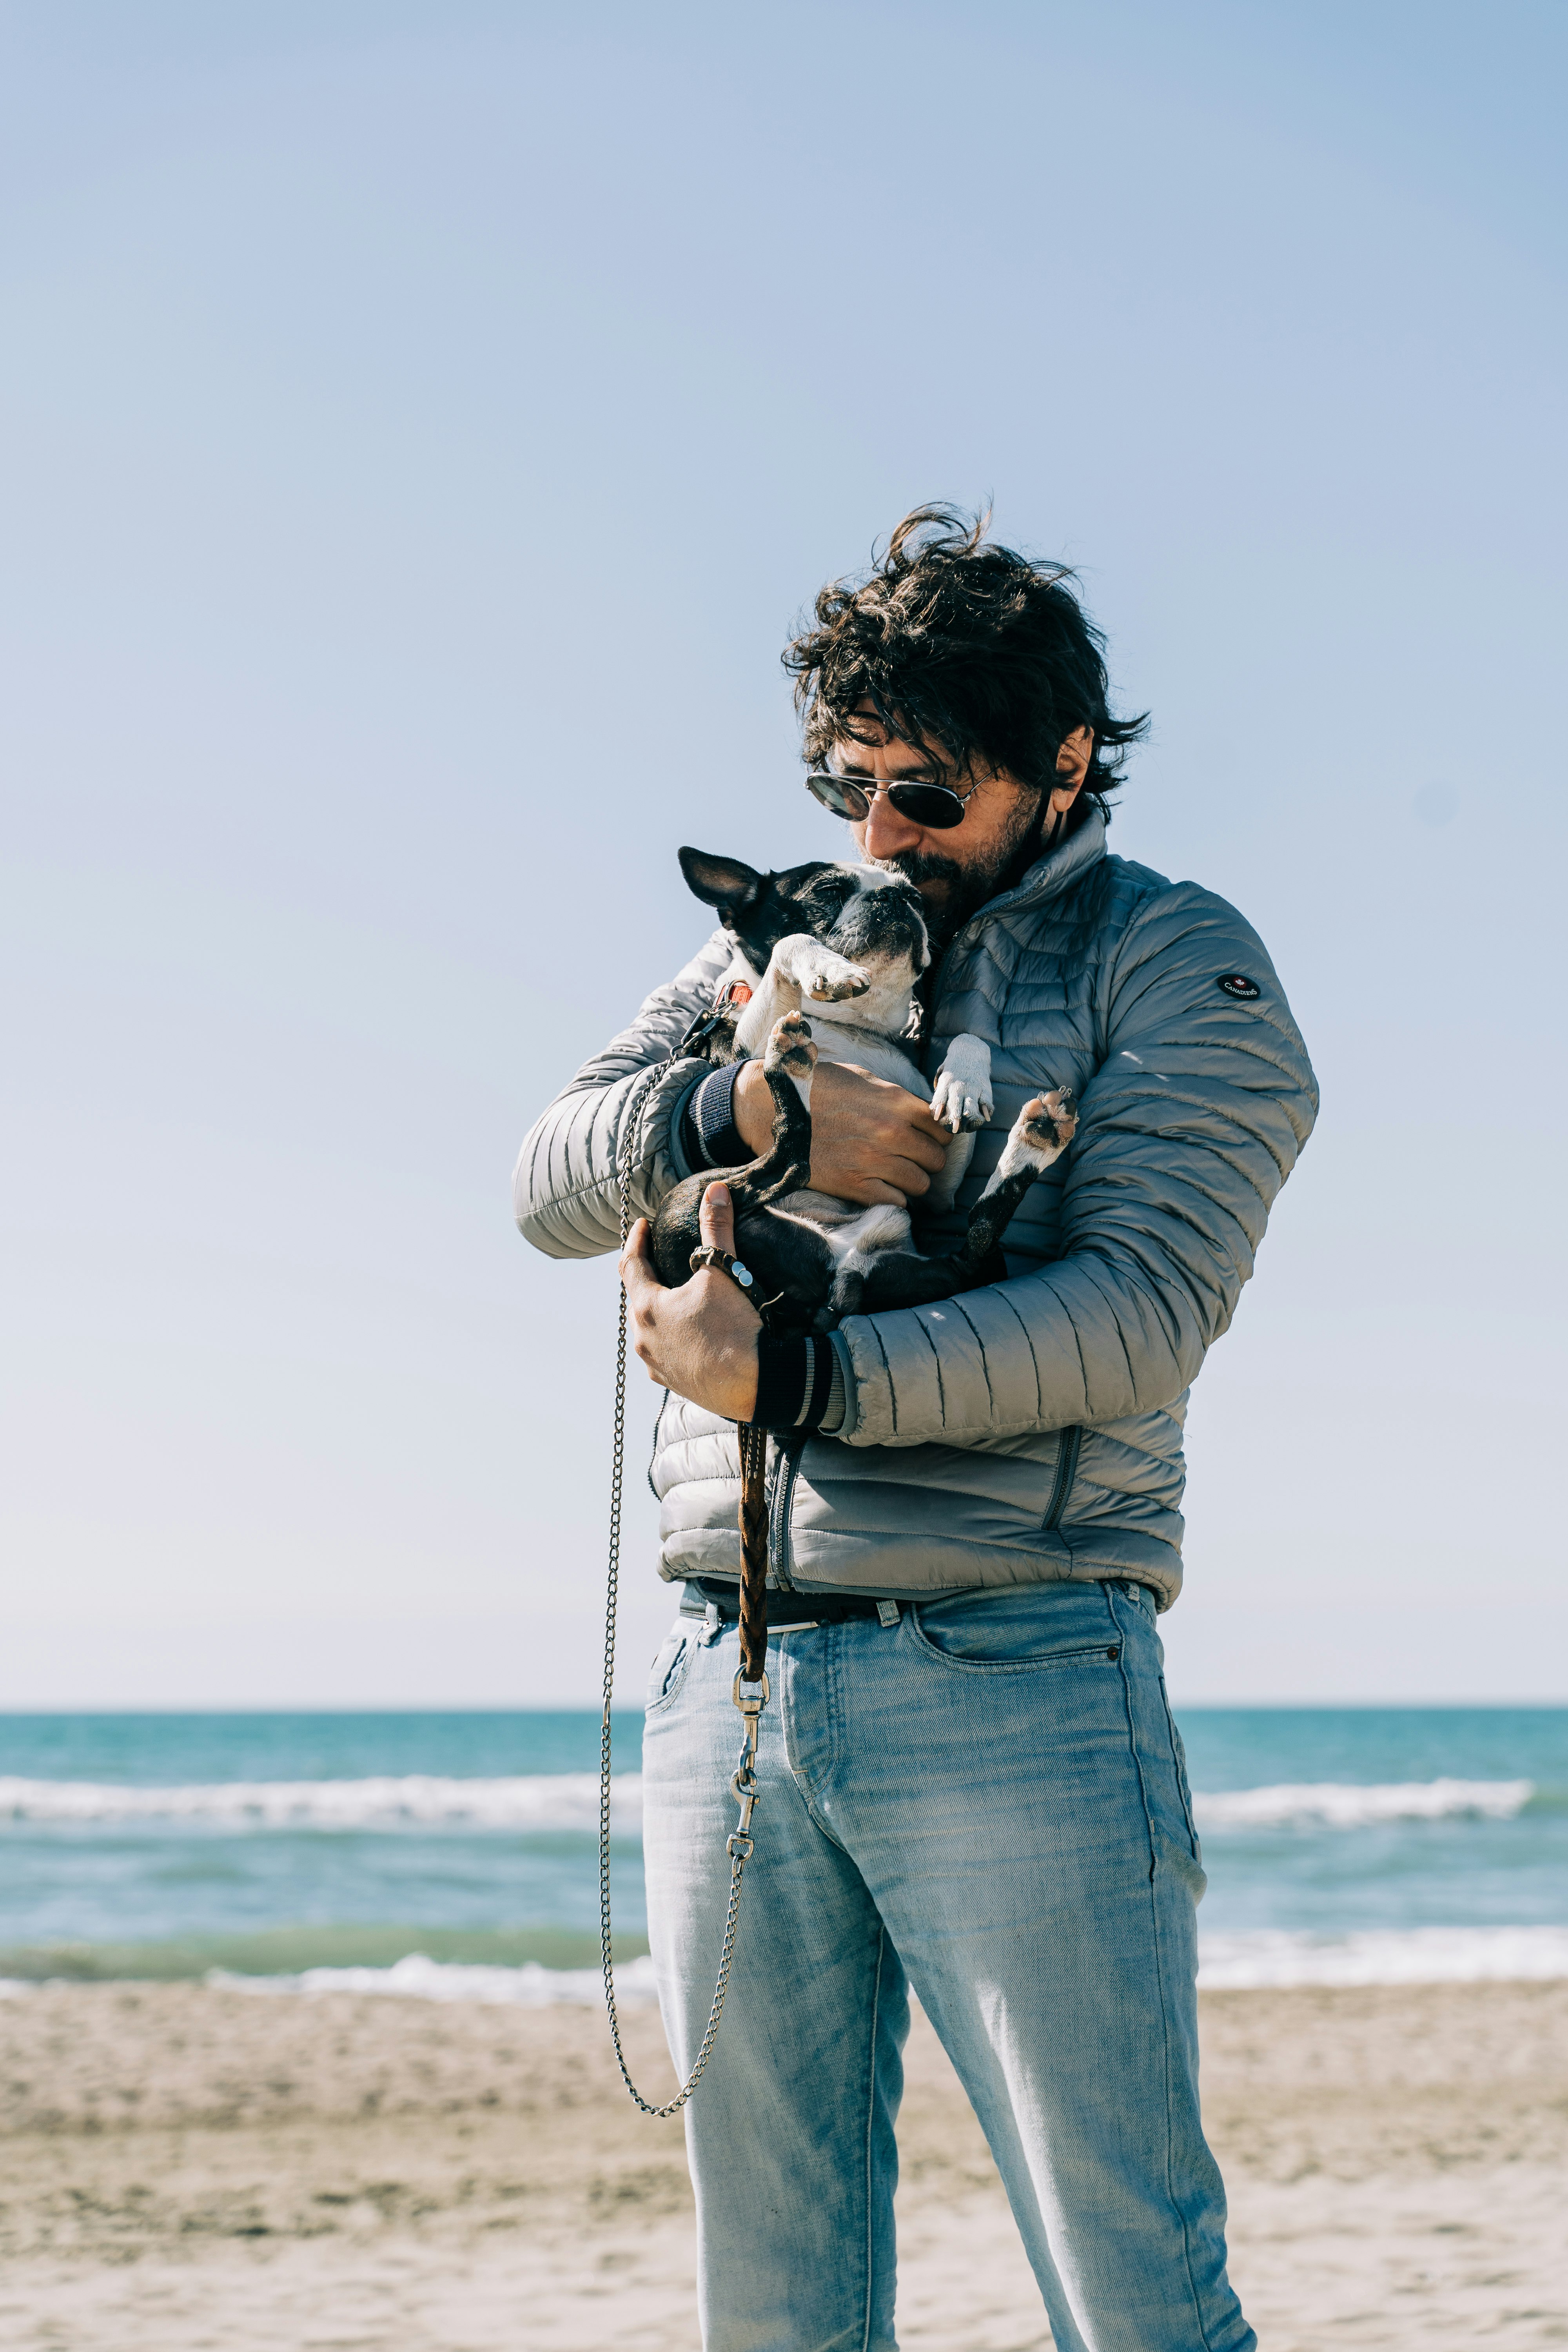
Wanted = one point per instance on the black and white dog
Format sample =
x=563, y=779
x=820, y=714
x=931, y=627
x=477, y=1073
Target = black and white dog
x=851, y=942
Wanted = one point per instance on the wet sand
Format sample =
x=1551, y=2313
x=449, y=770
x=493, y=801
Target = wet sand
x=184, y=2168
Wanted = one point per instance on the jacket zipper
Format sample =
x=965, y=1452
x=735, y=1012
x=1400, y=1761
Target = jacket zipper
x=1066, y=1471
x=779, y=1514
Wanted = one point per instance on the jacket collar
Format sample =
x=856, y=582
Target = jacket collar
x=1046, y=878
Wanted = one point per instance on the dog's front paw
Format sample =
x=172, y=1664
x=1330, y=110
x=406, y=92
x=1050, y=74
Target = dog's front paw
x=790, y=1047
x=829, y=978
x=958, y=1102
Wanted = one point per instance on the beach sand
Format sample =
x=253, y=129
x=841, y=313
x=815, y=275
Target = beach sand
x=185, y=2167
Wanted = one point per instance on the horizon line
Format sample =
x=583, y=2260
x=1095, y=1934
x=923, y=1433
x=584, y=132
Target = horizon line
x=632, y=1706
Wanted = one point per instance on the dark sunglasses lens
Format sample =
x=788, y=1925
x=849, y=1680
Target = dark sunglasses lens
x=837, y=793
x=931, y=806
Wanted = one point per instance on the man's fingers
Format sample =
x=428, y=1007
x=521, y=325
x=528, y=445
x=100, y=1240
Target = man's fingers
x=911, y=1178
x=869, y=1191
x=927, y=1143
x=716, y=1218
x=636, y=1261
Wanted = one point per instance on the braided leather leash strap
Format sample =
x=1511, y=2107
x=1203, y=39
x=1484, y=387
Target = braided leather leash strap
x=750, y=1703
x=753, y=1550
x=753, y=1442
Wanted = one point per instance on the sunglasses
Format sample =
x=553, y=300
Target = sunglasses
x=936, y=808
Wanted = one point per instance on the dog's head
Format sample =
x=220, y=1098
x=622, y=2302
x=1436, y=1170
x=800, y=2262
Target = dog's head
x=874, y=919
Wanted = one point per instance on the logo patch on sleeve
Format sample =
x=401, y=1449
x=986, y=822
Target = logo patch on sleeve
x=1237, y=984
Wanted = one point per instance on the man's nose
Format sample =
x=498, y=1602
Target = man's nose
x=887, y=834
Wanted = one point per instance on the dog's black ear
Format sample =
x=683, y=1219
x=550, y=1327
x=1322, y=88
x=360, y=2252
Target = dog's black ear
x=726, y=882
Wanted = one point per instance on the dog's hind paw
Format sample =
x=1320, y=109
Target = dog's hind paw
x=790, y=1047
x=1045, y=1127
x=960, y=1095
x=1039, y=1135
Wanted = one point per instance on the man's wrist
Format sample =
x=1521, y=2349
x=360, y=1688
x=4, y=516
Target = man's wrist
x=749, y=1383
x=752, y=1107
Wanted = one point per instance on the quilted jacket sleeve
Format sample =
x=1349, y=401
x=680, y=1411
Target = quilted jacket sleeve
x=565, y=1185
x=1186, y=1132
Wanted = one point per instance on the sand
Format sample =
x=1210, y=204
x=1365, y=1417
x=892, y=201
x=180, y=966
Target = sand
x=184, y=2168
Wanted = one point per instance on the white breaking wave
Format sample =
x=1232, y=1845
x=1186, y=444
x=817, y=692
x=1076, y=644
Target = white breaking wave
x=1381, y=1956
x=1348, y=1805
x=540, y=1801
x=419, y=1979
x=570, y=1800
x=1267, y=1958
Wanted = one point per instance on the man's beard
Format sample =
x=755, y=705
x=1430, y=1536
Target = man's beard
x=970, y=885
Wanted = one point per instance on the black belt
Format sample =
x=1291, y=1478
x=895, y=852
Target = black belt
x=785, y=1608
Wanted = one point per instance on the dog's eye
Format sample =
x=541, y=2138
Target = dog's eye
x=831, y=893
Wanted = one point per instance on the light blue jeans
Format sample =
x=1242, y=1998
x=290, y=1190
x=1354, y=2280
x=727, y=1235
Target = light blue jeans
x=986, y=1802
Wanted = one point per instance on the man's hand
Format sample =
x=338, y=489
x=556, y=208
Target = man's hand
x=870, y=1141
x=701, y=1339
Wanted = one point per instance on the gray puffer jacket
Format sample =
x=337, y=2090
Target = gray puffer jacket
x=1031, y=1431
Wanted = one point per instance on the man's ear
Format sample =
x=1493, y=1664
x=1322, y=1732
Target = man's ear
x=1072, y=766
x=726, y=882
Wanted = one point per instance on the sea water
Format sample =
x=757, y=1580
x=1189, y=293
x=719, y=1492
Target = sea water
x=453, y=1854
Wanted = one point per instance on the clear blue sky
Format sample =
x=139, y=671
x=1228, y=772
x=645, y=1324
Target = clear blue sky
x=422, y=424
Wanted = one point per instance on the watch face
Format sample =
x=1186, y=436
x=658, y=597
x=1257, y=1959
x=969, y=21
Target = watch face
x=1236, y=983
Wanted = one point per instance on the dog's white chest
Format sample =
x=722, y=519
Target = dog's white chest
x=861, y=1014
x=884, y=1058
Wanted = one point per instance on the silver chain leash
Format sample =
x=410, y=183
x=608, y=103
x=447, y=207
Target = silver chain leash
x=750, y=1702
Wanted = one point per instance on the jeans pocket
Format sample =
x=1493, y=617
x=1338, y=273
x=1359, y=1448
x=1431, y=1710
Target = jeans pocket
x=667, y=1672
x=1179, y=1758
x=1038, y=1625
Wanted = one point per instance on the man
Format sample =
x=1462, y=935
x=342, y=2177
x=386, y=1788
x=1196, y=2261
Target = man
x=972, y=1782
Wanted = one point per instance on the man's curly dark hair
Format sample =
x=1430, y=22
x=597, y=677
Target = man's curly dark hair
x=959, y=643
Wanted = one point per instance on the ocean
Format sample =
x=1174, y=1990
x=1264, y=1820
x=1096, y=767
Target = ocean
x=453, y=1855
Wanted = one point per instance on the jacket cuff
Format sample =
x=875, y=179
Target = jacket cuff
x=872, y=1419
x=709, y=1136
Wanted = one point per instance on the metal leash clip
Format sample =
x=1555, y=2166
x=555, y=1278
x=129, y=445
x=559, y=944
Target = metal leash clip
x=751, y=1702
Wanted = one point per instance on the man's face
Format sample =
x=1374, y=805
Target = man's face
x=956, y=870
